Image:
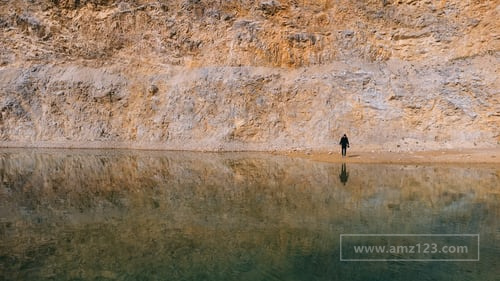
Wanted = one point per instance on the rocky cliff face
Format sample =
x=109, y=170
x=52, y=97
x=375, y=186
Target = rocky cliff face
x=250, y=75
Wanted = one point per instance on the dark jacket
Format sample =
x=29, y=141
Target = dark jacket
x=344, y=141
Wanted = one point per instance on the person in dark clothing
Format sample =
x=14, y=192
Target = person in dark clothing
x=344, y=142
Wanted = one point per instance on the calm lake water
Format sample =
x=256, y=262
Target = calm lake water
x=139, y=215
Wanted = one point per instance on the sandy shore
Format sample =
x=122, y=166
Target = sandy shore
x=457, y=156
x=452, y=156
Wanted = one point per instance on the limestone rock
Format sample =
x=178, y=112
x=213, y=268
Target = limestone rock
x=246, y=75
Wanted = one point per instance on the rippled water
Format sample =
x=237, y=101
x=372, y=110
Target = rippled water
x=136, y=215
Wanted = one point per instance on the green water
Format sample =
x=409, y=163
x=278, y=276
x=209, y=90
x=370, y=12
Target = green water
x=136, y=215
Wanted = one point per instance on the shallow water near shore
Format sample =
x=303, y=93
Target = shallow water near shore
x=149, y=215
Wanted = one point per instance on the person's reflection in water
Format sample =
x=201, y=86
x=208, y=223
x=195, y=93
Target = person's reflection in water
x=344, y=175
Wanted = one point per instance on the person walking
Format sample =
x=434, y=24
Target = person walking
x=344, y=142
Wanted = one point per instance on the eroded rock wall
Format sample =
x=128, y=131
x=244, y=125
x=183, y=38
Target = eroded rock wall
x=250, y=75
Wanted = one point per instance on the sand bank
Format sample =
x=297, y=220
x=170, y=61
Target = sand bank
x=455, y=156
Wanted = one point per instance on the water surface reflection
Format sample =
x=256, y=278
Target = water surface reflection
x=136, y=215
x=344, y=175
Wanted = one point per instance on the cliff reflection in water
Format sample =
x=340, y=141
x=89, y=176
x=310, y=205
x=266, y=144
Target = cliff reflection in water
x=129, y=215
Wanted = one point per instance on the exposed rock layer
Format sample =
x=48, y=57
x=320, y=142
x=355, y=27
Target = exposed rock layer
x=249, y=75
